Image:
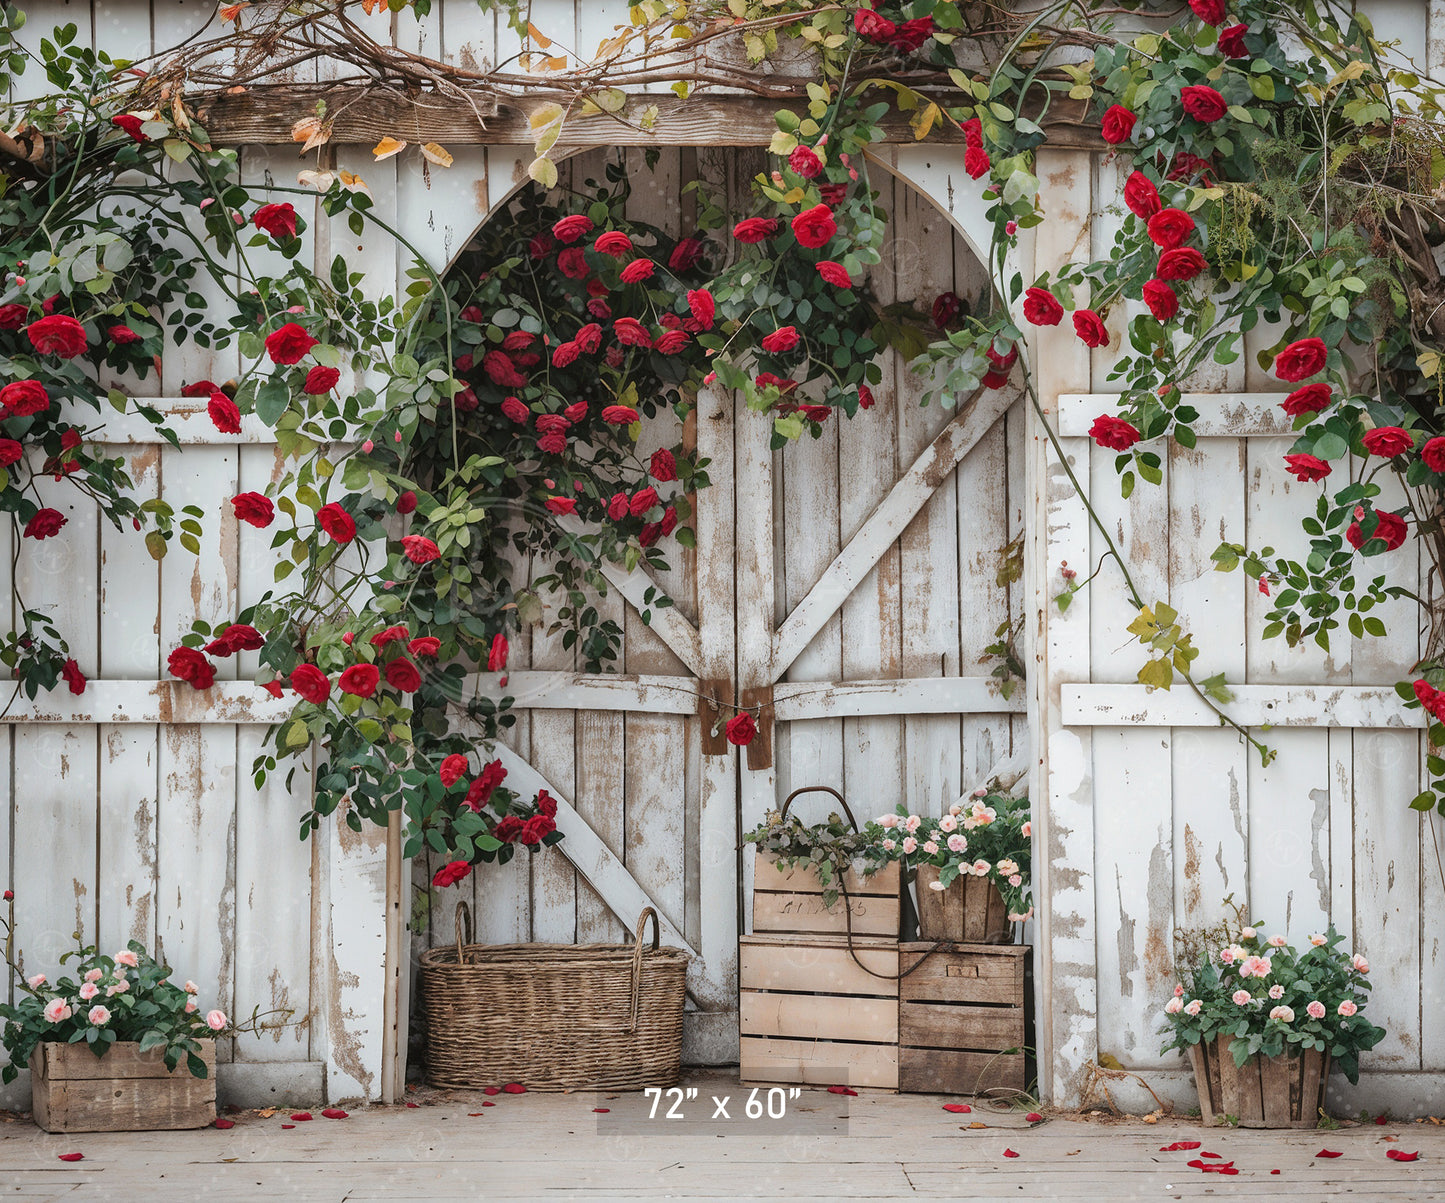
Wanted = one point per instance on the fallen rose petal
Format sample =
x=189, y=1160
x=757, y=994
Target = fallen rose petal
x=301, y=1116
x=1380, y=1119
x=957, y=1108
x=491, y=1090
x=1009, y=1153
x=1209, y=1155
x=225, y=1123
x=515, y=1088
x=842, y=1090
x=1225, y=1169
x=1033, y=1117
x=489, y=1104
x=601, y=1110
x=71, y=1156
x=1274, y=1171
x=413, y=1104
x=1196, y=1164
x=285, y=1126
x=473, y=1114
x=1401, y=1155
x=334, y=1113
x=1180, y=1146
x=1328, y=1153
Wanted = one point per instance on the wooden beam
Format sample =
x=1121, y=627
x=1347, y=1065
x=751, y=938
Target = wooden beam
x=794, y=701
x=1353, y=706
x=1221, y=415
x=973, y=420
x=584, y=848
x=265, y=115
x=646, y=693
x=226, y=702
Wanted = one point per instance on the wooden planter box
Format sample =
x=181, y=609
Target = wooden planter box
x=970, y=911
x=73, y=1090
x=808, y=1013
x=1264, y=1092
x=790, y=901
x=963, y=1019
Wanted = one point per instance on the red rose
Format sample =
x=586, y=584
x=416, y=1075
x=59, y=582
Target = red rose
x=662, y=467
x=320, y=380
x=614, y=243
x=631, y=333
x=1113, y=433
x=865, y=397
x=833, y=195
x=909, y=36
x=515, y=410
x=406, y=502
x=1141, y=196
x=670, y=342
x=637, y=271
x=1186, y=165
x=1390, y=529
x=12, y=317
x=1211, y=12
x=1388, y=441
x=131, y=124
x=277, y=220
x=10, y=452
x=480, y=792
x=947, y=309
x=755, y=229
x=546, y=804
x=564, y=354
x=685, y=255
x=780, y=340
x=619, y=415
x=1231, y=40
x=561, y=505
x=1307, y=400
x=424, y=645
x=642, y=501
x=389, y=635
x=1433, y=453
x=452, y=768
x=576, y=411
x=122, y=335
x=1203, y=103
x=1302, y=358
x=768, y=380
x=1180, y=263
x=508, y=829
x=360, y=679
x=540, y=246
x=815, y=227
x=73, y=676
x=450, y=873
x=1162, y=300
x=190, y=665
x=976, y=162
x=873, y=26
x=57, y=335
x=497, y=653
x=201, y=388
x=225, y=415
x=552, y=423
x=805, y=162
x=835, y=274
x=239, y=637
x=402, y=674
x=617, y=507
x=501, y=370
x=45, y=524
x=570, y=229
x=536, y=829
x=702, y=307
x=288, y=344
x=518, y=340
x=1117, y=124
x=21, y=398
x=741, y=729
x=669, y=520
x=573, y=263
x=1305, y=468
x=1041, y=308
x=336, y=522
x=311, y=683
x=419, y=549
x=1170, y=228
x=554, y=443
x=1089, y=326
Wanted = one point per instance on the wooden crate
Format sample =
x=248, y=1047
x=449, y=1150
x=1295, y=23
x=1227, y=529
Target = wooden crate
x=73, y=1090
x=956, y=1016
x=970, y=911
x=808, y=1013
x=791, y=901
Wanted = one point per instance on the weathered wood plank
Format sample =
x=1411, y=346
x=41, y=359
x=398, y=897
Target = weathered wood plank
x=819, y=964
x=868, y=915
x=818, y=1016
x=1223, y=415
x=819, y=1062
x=1316, y=706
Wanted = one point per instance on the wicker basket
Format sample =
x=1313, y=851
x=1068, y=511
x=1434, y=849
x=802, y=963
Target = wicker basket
x=553, y=1016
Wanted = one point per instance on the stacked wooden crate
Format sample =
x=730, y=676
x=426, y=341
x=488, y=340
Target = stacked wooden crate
x=812, y=1011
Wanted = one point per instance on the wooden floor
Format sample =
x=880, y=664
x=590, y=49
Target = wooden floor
x=875, y=1146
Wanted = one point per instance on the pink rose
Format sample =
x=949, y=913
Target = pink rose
x=215, y=1020
x=1173, y=1007
x=35, y=982
x=1015, y=880
x=1360, y=964
x=1254, y=967
x=1241, y=997
x=57, y=1010
x=1178, y=991
x=1347, y=1008
x=99, y=1015
x=1277, y=941
x=94, y=975
x=1315, y=1009
x=931, y=848
x=89, y=990
x=1193, y=1007
x=889, y=845
x=888, y=821
x=910, y=845
x=980, y=868
x=1028, y=831
x=126, y=958
x=1276, y=992
x=1318, y=940
x=190, y=1006
x=957, y=842
x=1283, y=1014
x=913, y=823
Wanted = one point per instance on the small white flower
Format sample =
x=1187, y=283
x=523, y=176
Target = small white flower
x=935, y=884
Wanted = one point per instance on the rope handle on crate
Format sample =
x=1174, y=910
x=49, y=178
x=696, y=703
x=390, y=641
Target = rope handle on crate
x=938, y=945
x=818, y=789
x=463, y=912
x=647, y=912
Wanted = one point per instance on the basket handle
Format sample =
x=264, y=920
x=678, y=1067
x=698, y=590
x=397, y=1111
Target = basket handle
x=818, y=789
x=647, y=913
x=463, y=913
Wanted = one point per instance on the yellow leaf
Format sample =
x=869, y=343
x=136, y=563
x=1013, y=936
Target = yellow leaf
x=538, y=36
x=559, y=63
x=924, y=121
x=353, y=183
x=387, y=147
x=610, y=100
x=1428, y=362
x=312, y=131
x=544, y=171
x=1352, y=70
x=544, y=115
x=438, y=155
x=320, y=180
x=611, y=47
